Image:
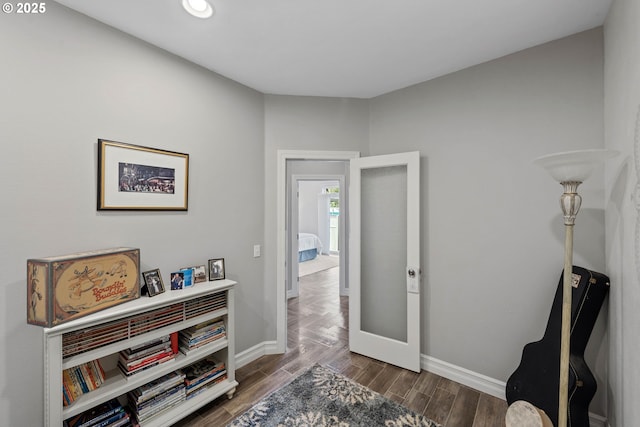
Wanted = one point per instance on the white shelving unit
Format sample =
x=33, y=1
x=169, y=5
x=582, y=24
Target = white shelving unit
x=192, y=301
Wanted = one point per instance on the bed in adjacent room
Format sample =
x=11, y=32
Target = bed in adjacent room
x=309, y=246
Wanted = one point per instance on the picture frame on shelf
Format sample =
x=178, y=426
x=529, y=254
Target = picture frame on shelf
x=153, y=282
x=136, y=178
x=187, y=277
x=199, y=274
x=216, y=269
x=177, y=280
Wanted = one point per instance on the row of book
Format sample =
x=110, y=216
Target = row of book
x=81, y=379
x=203, y=374
x=170, y=390
x=155, y=397
x=108, y=414
x=201, y=334
x=151, y=353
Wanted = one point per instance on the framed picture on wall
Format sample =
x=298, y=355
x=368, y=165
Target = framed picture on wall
x=132, y=177
x=216, y=269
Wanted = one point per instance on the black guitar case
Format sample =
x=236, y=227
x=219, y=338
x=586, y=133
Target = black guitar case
x=536, y=380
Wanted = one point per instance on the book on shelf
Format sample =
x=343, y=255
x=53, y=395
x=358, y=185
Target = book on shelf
x=197, y=387
x=154, y=361
x=81, y=379
x=155, y=387
x=118, y=419
x=161, y=399
x=146, y=347
x=96, y=415
x=194, y=392
x=202, y=328
x=148, y=354
x=157, y=396
x=160, y=409
x=201, y=334
x=203, y=372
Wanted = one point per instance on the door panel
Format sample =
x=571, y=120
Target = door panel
x=383, y=254
x=384, y=301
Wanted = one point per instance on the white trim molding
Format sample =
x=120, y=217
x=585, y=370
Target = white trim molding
x=464, y=376
x=255, y=352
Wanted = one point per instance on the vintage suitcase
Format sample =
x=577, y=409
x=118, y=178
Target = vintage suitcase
x=63, y=288
x=536, y=380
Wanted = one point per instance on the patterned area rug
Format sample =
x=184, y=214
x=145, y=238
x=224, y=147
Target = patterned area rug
x=322, y=397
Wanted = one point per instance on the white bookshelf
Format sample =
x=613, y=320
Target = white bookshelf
x=192, y=301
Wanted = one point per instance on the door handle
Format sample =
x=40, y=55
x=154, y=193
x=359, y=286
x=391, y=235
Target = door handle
x=413, y=280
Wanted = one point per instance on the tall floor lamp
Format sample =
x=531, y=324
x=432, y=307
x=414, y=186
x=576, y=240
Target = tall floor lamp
x=570, y=169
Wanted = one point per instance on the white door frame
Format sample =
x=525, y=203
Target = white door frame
x=294, y=224
x=281, y=232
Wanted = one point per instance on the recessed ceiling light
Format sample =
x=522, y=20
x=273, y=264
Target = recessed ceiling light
x=198, y=8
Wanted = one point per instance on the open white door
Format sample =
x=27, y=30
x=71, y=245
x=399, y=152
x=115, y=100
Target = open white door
x=384, y=263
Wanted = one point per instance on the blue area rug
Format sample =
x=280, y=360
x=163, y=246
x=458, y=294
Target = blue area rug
x=322, y=397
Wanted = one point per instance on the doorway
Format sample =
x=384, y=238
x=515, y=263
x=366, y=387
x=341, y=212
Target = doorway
x=316, y=230
x=316, y=163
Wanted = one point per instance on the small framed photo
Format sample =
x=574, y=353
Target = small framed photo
x=177, y=280
x=216, y=269
x=153, y=282
x=199, y=274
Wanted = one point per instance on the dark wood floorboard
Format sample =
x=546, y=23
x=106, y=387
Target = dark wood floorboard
x=318, y=333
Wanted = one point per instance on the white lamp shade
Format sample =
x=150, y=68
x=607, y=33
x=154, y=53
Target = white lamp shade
x=574, y=166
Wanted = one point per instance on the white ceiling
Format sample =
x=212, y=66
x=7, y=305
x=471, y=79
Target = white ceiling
x=345, y=48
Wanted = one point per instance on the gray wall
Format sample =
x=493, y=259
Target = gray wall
x=308, y=205
x=622, y=122
x=492, y=232
x=67, y=81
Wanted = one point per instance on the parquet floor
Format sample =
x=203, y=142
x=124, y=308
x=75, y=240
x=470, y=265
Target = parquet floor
x=318, y=322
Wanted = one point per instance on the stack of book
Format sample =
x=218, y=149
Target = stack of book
x=108, y=414
x=201, y=334
x=158, y=395
x=151, y=353
x=203, y=374
x=81, y=379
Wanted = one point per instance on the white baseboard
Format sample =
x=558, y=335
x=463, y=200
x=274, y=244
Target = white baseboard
x=482, y=383
x=255, y=352
x=447, y=370
x=464, y=376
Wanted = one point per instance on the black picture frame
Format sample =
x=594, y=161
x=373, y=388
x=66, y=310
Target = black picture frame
x=216, y=269
x=136, y=178
x=153, y=282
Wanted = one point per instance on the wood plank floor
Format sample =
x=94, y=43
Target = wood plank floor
x=317, y=333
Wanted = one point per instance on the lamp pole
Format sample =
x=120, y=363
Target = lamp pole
x=570, y=202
